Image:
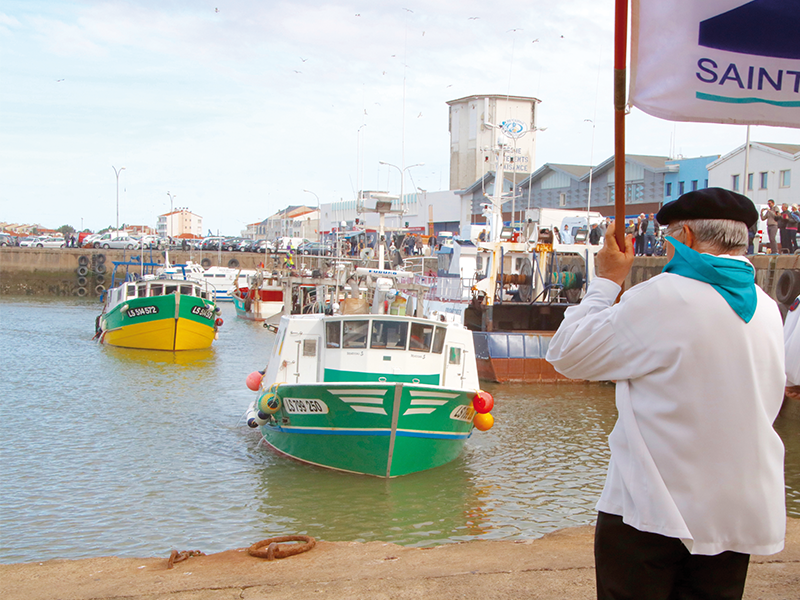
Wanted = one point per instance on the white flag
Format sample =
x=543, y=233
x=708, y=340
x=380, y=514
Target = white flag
x=717, y=61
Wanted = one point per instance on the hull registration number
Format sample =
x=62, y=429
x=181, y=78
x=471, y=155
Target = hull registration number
x=203, y=312
x=141, y=311
x=463, y=413
x=305, y=406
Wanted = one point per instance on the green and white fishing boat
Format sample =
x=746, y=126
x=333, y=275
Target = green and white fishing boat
x=373, y=393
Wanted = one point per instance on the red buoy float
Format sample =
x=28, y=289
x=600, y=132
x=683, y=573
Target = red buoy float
x=483, y=402
x=254, y=381
x=219, y=322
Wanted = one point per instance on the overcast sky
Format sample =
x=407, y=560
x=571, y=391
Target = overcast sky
x=236, y=106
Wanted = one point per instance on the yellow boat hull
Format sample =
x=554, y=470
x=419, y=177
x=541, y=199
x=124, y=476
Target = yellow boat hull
x=163, y=334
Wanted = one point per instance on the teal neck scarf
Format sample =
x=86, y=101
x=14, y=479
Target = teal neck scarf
x=733, y=279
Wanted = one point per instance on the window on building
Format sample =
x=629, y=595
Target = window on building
x=786, y=178
x=750, y=181
x=668, y=191
x=763, y=180
x=694, y=185
x=681, y=187
x=735, y=183
x=562, y=199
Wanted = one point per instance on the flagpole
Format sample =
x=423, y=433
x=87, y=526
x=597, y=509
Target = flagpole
x=620, y=76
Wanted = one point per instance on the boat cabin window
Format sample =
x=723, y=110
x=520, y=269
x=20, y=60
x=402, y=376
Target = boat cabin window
x=389, y=335
x=142, y=290
x=156, y=289
x=131, y=291
x=333, y=334
x=186, y=290
x=421, y=337
x=438, y=340
x=455, y=356
x=354, y=334
x=170, y=289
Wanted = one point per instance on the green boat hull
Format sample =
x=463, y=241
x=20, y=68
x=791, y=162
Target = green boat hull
x=384, y=429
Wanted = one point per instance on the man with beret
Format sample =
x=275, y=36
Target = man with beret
x=695, y=482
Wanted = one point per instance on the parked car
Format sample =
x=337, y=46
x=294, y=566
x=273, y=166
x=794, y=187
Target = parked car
x=315, y=249
x=231, y=243
x=123, y=242
x=246, y=246
x=28, y=242
x=212, y=243
x=47, y=241
x=101, y=239
x=264, y=247
x=7, y=240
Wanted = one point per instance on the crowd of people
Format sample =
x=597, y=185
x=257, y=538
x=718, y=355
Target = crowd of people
x=782, y=223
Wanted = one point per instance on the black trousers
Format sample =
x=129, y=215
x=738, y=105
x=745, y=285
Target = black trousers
x=636, y=565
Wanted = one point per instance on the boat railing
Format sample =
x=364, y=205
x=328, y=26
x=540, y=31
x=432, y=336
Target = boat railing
x=446, y=288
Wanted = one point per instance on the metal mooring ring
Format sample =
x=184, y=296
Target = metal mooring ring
x=274, y=551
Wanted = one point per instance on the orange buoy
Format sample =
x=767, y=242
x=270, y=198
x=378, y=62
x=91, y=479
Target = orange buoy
x=483, y=421
x=253, y=381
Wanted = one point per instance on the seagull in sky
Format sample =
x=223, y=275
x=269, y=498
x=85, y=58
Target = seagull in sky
x=473, y=18
x=419, y=115
x=305, y=59
x=216, y=10
x=534, y=41
x=409, y=10
x=57, y=80
x=510, y=30
x=358, y=14
x=447, y=86
x=296, y=71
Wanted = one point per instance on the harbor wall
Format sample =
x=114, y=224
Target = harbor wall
x=54, y=271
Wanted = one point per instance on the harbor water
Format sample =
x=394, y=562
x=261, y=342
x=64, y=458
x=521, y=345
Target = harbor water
x=108, y=451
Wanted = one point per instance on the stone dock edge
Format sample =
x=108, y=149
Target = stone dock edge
x=559, y=565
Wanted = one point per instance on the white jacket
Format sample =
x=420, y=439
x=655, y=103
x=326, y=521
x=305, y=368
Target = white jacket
x=791, y=338
x=693, y=453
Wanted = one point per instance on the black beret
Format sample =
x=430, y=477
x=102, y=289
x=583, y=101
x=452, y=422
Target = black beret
x=710, y=203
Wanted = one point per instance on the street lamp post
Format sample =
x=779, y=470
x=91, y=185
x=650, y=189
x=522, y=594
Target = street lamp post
x=117, y=172
x=319, y=215
x=169, y=221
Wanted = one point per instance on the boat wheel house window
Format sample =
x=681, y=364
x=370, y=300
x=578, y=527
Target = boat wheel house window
x=455, y=356
x=421, y=337
x=186, y=290
x=156, y=290
x=354, y=334
x=438, y=340
x=333, y=334
x=389, y=335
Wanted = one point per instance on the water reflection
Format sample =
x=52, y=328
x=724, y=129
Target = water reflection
x=147, y=358
x=423, y=508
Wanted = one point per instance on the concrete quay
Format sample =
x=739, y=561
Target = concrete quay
x=558, y=566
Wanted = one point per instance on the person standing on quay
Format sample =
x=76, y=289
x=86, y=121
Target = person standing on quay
x=695, y=482
x=771, y=216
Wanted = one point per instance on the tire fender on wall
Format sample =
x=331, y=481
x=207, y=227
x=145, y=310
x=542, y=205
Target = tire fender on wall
x=788, y=287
